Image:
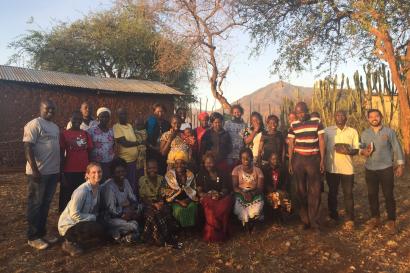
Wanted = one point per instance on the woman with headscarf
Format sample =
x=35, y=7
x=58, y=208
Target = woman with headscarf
x=180, y=192
x=103, y=142
x=215, y=198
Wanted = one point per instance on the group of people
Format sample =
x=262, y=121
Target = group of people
x=146, y=181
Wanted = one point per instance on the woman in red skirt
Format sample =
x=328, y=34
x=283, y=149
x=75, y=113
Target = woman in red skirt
x=216, y=200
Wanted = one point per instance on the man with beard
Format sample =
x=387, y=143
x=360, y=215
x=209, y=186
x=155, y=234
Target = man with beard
x=306, y=163
x=380, y=147
x=342, y=142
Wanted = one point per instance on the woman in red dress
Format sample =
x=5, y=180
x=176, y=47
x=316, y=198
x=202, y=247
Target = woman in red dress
x=216, y=200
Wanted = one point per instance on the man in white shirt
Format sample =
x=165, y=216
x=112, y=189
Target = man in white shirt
x=342, y=143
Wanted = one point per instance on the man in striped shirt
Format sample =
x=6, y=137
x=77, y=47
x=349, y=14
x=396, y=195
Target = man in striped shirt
x=306, y=163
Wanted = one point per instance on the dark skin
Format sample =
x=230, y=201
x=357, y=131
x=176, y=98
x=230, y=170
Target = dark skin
x=180, y=171
x=123, y=120
x=209, y=164
x=76, y=121
x=273, y=163
x=256, y=125
x=272, y=126
x=165, y=146
x=159, y=114
x=182, y=114
x=86, y=111
x=104, y=119
x=47, y=112
x=119, y=175
x=204, y=122
x=152, y=173
x=340, y=120
x=301, y=110
x=247, y=164
x=217, y=125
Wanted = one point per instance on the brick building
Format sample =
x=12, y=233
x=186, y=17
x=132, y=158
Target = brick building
x=21, y=91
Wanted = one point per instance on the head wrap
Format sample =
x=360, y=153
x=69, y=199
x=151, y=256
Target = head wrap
x=185, y=125
x=103, y=109
x=178, y=155
x=203, y=115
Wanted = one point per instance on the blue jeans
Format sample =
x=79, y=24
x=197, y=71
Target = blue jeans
x=40, y=196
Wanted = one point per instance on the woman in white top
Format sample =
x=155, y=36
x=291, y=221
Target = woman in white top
x=253, y=134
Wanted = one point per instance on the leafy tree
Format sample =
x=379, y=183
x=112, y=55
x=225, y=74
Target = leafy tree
x=123, y=42
x=328, y=31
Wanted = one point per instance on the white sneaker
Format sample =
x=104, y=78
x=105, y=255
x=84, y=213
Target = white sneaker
x=51, y=239
x=39, y=244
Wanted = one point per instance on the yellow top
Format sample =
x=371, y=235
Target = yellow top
x=335, y=162
x=129, y=154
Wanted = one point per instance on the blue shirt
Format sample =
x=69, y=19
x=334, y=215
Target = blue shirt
x=82, y=207
x=386, y=148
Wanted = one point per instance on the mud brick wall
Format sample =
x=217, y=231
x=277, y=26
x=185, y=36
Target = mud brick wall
x=19, y=103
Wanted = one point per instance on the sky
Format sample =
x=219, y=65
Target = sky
x=246, y=73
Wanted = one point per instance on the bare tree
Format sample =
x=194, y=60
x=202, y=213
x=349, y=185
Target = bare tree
x=205, y=26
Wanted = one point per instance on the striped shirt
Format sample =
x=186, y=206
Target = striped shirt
x=306, y=136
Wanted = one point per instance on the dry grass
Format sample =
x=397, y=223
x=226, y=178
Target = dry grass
x=272, y=248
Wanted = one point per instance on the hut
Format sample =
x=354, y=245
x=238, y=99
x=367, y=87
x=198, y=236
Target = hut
x=22, y=89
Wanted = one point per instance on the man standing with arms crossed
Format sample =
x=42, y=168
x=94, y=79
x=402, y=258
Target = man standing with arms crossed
x=42, y=151
x=306, y=163
x=381, y=147
x=342, y=143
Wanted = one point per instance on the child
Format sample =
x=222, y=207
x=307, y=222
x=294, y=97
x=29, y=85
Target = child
x=188, y=137
x=272, y=141
x=141, y=134
x=275, y=186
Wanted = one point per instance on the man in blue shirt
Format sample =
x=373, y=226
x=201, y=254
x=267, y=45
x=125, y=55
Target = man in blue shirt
x=381, y=148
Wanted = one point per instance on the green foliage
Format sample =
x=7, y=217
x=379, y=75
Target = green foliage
x=324, y=31
x=333, y=94
x=123, y=42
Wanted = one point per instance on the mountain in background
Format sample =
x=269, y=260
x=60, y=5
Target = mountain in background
x=270, y=96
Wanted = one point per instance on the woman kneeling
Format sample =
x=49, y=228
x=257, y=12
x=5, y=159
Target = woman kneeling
x=78, y=222
x=216, y=200
x=247, y=183
x=121, y=209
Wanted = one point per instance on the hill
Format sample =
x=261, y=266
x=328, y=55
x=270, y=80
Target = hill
x=271, y=96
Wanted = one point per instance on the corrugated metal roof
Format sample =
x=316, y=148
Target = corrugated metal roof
x=19, y=74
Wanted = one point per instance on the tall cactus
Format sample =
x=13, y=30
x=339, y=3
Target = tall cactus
x=332, y=94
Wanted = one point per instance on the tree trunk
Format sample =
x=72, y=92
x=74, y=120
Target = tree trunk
x=402, y=89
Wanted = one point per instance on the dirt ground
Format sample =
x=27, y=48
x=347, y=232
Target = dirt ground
x=272, y=248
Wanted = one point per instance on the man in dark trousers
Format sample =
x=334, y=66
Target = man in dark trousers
x=381, y=147
x=342, y=143
x=42, y=151
x=306, y=163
